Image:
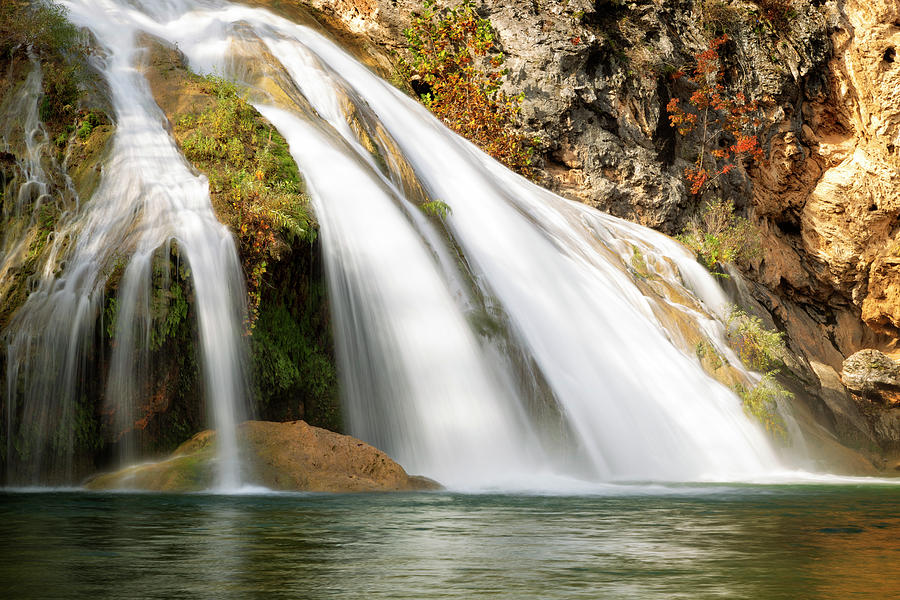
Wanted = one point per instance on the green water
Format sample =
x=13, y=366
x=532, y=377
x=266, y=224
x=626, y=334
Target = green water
x=764, y=542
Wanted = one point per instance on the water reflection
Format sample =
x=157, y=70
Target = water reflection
x=774, y=542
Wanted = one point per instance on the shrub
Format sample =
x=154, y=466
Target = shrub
x=760, y=403
x=718, y=236
x=457, y=75
x=40, y=25
x=778, y=13
x=724, y=123
x=43, y=28
x=759, y=348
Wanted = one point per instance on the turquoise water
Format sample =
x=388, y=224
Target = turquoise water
x=765, y=542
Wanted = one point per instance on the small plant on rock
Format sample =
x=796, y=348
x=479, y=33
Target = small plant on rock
x=761, y=403
x=762, y=350
x=718, y=236
x=759, y=348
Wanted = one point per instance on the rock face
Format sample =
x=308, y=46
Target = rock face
x=280, y=456
x=873, y=376
x=830, y=190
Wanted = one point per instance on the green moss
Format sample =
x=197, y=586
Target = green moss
x=436, y=208
x=291, y=368
x=709, y=356
x=87, y=429
x=639, y=267
x=170, y=412
x=169, y=309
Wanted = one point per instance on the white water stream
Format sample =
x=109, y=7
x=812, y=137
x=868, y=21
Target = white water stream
x=147, y=198
x=510, y=345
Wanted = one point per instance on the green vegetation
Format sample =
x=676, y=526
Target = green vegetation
x=708, y=355
x=43, y=28
x=761, y=350
x=760, y=403
x=456, y=71
x=292, y=372
x=639, y=267
x=90, y=121
x=258, y=192
x=170, y=412
x=249, y=165
x=39, y=24
x=436, y=208
x=169, y=309
x=718, y=236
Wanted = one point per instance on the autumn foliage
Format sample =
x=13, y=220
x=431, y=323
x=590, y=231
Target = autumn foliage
x=455, y=69
x=724, y=123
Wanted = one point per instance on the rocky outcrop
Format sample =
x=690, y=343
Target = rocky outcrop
x=873, y=376
x=280, y=456
x=829, y=193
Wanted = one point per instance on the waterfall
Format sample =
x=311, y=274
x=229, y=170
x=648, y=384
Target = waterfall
x=147, y=198
x=510, y=343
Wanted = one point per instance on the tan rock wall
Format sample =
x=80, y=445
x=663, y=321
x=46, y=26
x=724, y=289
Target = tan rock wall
x=839, y=181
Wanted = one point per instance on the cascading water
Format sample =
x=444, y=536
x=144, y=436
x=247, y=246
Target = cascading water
x=506, y=344
x=147, y=198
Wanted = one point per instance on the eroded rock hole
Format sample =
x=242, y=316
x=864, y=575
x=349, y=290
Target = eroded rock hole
x=420, y=87
x=890, y=55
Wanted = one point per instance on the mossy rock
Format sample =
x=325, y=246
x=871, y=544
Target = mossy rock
x=280, y=456
x=191, y=468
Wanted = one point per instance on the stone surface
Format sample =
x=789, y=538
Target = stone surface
x=873, y=376
x=290, y=456
x=830, y=188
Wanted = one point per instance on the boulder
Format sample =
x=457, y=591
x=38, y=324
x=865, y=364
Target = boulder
x=873, y=376
x=290, y=456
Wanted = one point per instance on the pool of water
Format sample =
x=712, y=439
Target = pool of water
x=765, y=542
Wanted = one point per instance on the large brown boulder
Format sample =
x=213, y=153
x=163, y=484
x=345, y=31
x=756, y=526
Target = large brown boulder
x=281, y=456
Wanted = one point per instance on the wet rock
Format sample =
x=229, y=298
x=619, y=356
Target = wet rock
x=280, y=456
x=873, y=376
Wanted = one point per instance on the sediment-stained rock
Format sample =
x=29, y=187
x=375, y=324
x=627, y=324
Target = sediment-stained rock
x=280, y=456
